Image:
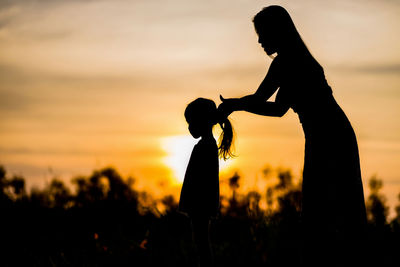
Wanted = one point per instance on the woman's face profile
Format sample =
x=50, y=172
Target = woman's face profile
x=267, y=43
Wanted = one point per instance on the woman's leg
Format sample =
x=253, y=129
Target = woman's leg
x=201, y=239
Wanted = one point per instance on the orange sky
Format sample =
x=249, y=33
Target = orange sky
x=85, y=84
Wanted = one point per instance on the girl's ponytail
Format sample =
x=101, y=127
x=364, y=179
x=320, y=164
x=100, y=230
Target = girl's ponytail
x=226, y=139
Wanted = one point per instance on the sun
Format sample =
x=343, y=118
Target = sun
x=178, y=150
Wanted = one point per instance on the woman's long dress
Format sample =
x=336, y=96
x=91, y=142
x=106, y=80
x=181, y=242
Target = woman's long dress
x=333, y=208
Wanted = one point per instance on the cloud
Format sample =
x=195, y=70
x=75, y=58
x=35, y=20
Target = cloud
x=16, y=24
x=380, y=69
x=377, y=69
x=13, y=100
x=16, y=75
x=129, y=151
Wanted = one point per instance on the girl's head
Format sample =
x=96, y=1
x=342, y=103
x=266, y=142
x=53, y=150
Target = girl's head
x=276, y=31
x=202, y=115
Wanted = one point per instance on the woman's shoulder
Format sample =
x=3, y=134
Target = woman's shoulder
x=300, y=65
x=276, y=62
x=276, y=68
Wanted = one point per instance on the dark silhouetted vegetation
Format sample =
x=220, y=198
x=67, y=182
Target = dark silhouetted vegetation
x=105, y=221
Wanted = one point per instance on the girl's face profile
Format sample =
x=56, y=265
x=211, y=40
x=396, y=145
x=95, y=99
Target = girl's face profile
x=197, y=127
x=194, y=130
x=199, y=116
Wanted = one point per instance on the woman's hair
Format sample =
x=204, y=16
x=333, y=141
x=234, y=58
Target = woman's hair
x=276, y=21
x=203, y=109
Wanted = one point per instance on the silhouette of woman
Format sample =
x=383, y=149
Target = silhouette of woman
x=200, y=190
x=333, y=209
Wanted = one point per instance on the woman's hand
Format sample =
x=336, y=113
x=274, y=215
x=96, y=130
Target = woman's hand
x=227, y=106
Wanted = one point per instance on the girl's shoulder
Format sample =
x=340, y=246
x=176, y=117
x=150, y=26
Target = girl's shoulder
x=207, y=144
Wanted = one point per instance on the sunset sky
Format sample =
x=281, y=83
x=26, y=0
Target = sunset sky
x=87, y=84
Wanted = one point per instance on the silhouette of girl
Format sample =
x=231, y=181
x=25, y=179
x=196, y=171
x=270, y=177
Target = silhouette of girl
x=333, y=209
x=200, y=191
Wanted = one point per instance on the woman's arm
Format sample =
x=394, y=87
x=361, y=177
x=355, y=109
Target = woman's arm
x=253, y=104
x=256, y=103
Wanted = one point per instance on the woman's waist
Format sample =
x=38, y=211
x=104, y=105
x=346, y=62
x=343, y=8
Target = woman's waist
x=332, y=122
x=314, y=110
